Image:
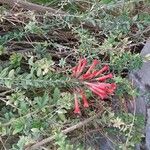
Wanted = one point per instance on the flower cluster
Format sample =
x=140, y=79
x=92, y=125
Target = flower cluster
x=93, y=79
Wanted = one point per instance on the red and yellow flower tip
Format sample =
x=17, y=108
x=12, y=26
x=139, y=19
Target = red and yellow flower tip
x=94, y=80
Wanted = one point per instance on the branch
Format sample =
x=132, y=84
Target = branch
x=70, y=129
x=33, y=7
x=43, y=9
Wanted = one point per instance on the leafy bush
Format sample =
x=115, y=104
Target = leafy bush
x=37, y=54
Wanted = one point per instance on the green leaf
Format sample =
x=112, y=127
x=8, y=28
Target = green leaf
x=39, y=72
x=8, y=83
x=2, y=50
x=56, y=94
x=11, y=73
x=4, y=72
x=15, y=59
x=61, y=114
x=30, y=61
x=45, y=99
x=18, y=127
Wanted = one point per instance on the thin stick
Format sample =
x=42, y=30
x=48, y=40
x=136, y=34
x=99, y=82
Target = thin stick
x=70, y=129
x=32, y=7
x=43, y=9
x=2, y=143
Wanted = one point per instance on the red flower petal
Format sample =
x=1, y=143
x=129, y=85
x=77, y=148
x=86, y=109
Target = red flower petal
x=84, y=76
x=104, y=77
x=99, y=84
x=111, y=89
x=88, y=76
x=107, y=88
x=99, y=92
x=99, y=89
x=94, y=63
x=105, y=68
x=85, y=102
x=96, y=84
x=81, y=66
x=101, y=95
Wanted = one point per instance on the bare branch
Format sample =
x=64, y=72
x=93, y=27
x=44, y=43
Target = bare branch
x=43, y=9
x=70, y=129
x=33, y=7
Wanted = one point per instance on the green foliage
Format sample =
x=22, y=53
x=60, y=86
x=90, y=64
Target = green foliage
x=33, y=27
x=144, y=17
x=43, y=1
x=125, y=87
x=2, y=49
x=63, y=143
x=15, y=59
x=36, y=59
x=125, y=60
x=87, y=41
x=16, y=34
x=126, y=126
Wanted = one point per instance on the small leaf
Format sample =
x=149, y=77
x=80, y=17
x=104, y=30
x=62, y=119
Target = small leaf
x=135, y=18
x=39, y=72
x=56, y=94
x=62, y=116
x=18, y=128
x=11, y=73
x=4, y=72
x=8, y=83
x=30, y=61
x=2, y=50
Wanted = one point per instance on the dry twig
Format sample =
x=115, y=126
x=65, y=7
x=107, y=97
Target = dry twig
x=33, y=7
x=70, y=129
x=43, y=9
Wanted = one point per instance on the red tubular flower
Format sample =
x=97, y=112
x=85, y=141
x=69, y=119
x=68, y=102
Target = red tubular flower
x=105, y=68
x=81, y=67
x=93, y=80
x=101, y=85
x=88, y=75
x=84, y=76
x=99, y=92
x=101, y=89
x=93, y=74
x=76, y=104
x=85, y=102
x=94, y=63
x=108, y=76
x=111, y=89
x=77, y=70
